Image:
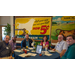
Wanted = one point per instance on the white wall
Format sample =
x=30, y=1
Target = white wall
x=11, y=23
x=7, y=19
x=4, y=20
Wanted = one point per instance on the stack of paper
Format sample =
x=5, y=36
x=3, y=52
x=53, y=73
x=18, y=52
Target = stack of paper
x=51, y=51
x=29, y=54
x=30, y=48
x=17, y=50
x=32, y=54
x=47, y=53
x=27, y=49
x=23, y=55
x=33, y=51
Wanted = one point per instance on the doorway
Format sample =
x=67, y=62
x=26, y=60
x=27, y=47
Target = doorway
x=2, y=33
x=3, y=36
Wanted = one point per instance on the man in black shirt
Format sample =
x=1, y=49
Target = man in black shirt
x=5, y=48
x=26, y=41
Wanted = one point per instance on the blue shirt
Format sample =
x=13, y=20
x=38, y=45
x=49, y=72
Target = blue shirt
x=27, y=43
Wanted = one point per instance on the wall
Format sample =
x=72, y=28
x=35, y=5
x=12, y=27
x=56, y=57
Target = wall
x=64, y=25
x=4, y=20
x=29, y=24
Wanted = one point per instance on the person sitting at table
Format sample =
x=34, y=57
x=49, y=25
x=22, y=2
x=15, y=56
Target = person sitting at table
x=70, y=53
x=12, y=42
x=61, y=46
x=26, y=42
x=45, y=42
x=5, y=48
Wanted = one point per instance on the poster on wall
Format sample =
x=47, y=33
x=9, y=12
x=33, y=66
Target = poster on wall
x=35, y=27
x=64, y=25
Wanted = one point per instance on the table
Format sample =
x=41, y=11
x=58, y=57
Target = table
x=7, y=57
x=54, y=55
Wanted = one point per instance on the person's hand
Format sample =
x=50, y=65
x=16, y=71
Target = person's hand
x=53, y=49
x=12, y=52
x=10, y=57
x=50, y=48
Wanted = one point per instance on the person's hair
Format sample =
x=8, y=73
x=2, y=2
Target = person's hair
x=26, y=34
x=7, y=35
x=73, y=36
x=46, y=38
x=14, y=36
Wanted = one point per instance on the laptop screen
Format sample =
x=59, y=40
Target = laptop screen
x=39, y=49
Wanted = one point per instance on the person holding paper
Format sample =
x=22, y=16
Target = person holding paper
x=5, y=48
x=45, y=42
x=26, y=42
x=61, y=46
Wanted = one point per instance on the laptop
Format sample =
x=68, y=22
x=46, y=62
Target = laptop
x=39, y=49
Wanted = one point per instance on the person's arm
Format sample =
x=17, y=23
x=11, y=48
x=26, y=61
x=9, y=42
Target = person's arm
x=31, y=40
x=0, y=47
x=22, y=44
x=47, y=44
x=62, y=53
x=10, y=57
x=41, y=43
x=55, y=47
x=65, y=46
x=0, y=44
x=71, y=53
x=10, y=53
x=11, y=45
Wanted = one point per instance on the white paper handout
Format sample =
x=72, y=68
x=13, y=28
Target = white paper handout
x=27, y=49
x=23, y=55
x=32, y=54
x=47, y=53
x=33, y=51
x=29, y=54
x=51, y=51
x=30, y=48
x=17, y=50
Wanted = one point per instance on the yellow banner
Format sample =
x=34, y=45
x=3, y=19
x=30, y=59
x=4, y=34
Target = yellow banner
x=68, y=18
x=33, y=26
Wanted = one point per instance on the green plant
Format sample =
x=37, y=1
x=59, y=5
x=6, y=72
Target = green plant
x=7, y=29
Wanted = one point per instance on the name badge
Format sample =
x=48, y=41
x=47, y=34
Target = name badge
x=7, y=47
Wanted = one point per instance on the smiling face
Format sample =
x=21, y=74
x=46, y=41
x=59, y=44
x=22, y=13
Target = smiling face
x=14, y=39
x=45, y=38
x=7, y=39
x=60, y=38
x=27, y=36
x=70, y=40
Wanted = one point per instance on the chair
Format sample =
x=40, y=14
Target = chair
x=21, y=44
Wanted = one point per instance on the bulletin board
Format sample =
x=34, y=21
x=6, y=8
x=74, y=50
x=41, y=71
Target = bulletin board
x=36, y=27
